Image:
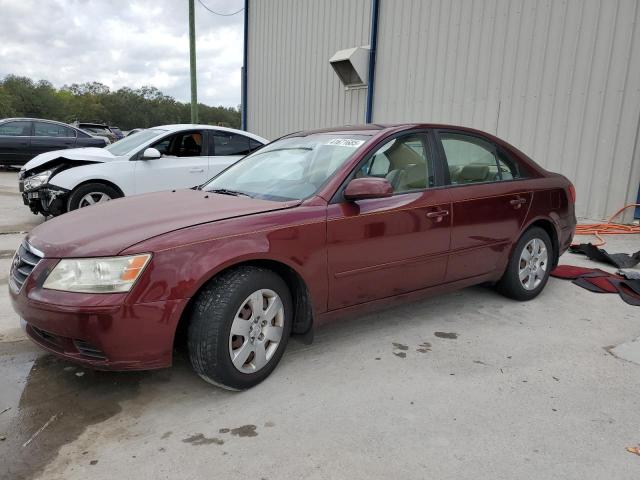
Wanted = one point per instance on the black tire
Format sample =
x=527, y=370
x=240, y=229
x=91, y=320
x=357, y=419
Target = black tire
x=99, y=188
x=212, y=316
x=510, y=284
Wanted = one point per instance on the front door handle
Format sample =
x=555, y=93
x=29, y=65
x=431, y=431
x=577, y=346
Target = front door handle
x=196, y=170
x=438, y=215
x=518, y=202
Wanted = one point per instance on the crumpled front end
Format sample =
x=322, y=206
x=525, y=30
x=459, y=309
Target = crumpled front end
x=42, y=197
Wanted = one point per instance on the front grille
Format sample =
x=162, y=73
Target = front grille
x=89, y=350
x=24, y=262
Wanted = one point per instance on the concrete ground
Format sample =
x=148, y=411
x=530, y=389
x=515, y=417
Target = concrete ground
x=462, y=386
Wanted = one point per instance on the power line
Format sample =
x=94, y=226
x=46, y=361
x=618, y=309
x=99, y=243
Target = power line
x=218, y=13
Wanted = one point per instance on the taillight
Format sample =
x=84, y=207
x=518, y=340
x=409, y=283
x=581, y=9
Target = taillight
x=572, y=192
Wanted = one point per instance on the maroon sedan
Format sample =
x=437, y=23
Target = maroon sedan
x=312, y=226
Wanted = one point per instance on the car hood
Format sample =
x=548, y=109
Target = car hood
x=109, y=228
x=87, y=154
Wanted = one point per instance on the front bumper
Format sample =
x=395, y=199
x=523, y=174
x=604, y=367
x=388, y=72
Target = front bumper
x=47, y=200
x=101, y=331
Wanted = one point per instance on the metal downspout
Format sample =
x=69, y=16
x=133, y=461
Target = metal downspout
x=373, y=44
x=245, y=55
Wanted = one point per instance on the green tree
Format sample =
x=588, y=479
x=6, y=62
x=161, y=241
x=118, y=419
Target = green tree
x=95, y=102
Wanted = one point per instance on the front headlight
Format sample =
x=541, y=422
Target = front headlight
x=97, y=275
x=37, y=181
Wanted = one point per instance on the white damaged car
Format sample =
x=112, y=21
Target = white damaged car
x=160, y=158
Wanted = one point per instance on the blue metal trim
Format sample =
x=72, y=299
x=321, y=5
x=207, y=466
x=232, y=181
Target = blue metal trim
x=245, y=57
x=373, y=44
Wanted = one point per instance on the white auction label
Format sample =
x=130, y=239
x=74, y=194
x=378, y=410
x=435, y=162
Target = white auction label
x=345, y=142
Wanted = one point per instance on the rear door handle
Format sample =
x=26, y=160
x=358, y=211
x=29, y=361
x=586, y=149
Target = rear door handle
x=438, y=215
x=196, y=170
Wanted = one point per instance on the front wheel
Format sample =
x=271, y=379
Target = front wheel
x=90, y=194
x=529, y=266
x=240, y=325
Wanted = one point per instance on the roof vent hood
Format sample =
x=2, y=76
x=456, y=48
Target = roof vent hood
x=352, y=66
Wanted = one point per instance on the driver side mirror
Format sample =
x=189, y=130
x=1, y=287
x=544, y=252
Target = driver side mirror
x=368, y=187
x=151, y=154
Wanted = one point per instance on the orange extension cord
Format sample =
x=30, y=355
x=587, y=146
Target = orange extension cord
x=609, y=228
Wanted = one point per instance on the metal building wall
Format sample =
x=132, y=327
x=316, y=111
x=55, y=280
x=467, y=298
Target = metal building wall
x=560, y=79
x=290, y=84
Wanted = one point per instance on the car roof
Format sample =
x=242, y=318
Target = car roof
x=29, y=119
x=187, y=126
x=369, y=129
x=375, y=128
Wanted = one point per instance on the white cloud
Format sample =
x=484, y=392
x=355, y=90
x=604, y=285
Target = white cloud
x=124, y=43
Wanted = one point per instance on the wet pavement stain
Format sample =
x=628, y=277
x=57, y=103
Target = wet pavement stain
x=54, y=406
x=400, y=346
x=424, y=347
x=450, y=335
x=200, y=439
x=245, y=431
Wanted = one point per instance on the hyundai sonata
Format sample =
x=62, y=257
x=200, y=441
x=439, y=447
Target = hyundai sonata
x=313, y=226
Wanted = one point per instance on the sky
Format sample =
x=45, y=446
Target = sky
x=125, y=43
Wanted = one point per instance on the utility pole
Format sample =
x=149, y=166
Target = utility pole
x=192, y=58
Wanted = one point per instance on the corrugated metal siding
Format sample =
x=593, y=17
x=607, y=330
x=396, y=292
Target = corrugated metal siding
x=560, y=79
x=290, y=84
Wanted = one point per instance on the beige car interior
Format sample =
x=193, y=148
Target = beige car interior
x=405, y=168
x=402, y=166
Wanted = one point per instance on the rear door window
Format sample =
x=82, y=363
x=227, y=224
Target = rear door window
x=471, y=159
x=226, y=143
x=44, y=129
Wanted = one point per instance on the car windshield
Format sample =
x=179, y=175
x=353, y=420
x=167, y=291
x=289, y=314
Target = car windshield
x=289, y=169
x=132, y=142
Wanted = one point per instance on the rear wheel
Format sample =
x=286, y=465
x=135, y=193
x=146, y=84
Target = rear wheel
x=239, y=327
x=529, y=266
x=90, y=194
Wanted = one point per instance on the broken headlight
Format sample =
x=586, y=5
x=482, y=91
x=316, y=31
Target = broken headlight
x=38, y=180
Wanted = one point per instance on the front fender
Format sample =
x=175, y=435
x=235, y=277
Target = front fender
x=177, y=272
x=112, y=172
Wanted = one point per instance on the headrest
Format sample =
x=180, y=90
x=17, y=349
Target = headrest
x=473, y=173
x=401, y=156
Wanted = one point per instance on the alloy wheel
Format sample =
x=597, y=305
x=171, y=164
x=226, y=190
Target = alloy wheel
x=92, y=198
x=533, y=264
x=256, y=331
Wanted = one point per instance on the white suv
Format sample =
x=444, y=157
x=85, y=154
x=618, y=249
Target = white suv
x=160, y=158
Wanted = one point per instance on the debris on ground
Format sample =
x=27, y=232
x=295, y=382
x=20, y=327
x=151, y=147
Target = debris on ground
x=635, y=450
x=41, y=429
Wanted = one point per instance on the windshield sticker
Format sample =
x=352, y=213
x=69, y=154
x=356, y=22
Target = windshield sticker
x=345, y=142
